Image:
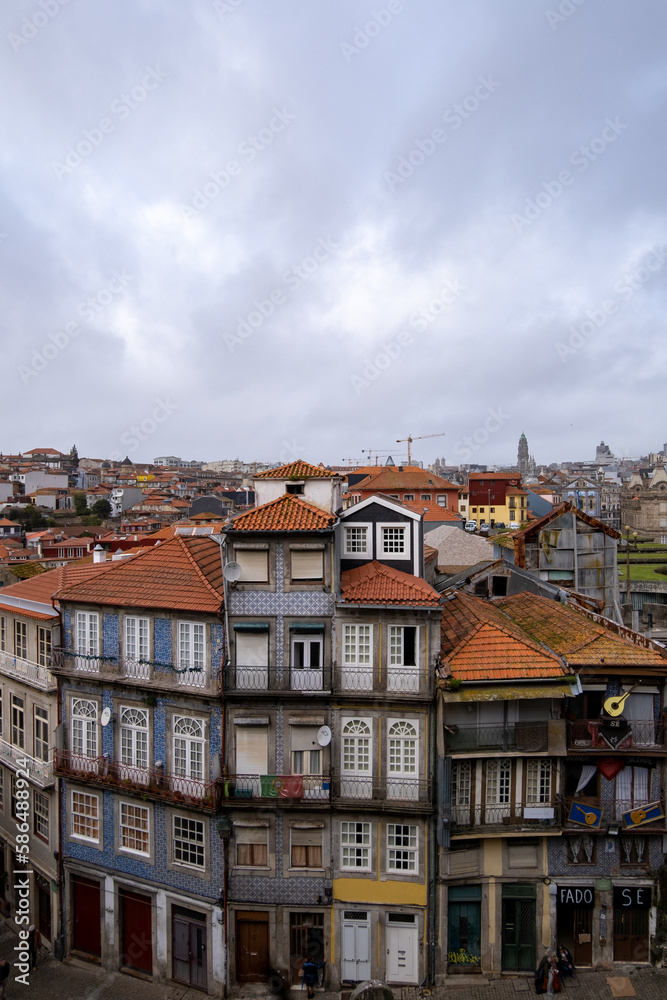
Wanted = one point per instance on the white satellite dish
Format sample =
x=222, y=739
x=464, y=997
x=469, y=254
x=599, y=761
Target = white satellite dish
x=232, y=572
x=324, y=736
x=106, y=716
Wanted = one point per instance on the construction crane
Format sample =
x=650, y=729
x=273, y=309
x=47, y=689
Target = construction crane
x=378, y=454
x=420, y=437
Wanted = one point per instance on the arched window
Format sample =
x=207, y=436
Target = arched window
x=84, y=727
x=402, y=760
x=356, y=764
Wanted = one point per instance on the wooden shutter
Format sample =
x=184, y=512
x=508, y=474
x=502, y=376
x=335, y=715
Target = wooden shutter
x=254, y=565
x=307, y=565
x=304, y=738
x=252, y=749
x=252, y=649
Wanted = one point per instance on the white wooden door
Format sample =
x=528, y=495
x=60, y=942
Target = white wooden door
x=355, y=962
x=402, y=964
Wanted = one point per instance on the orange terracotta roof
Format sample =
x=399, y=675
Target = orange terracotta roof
x=501, y=649
x=5, y=521
x=42, y=588
x=286, y=513
x=494, y=653
x=583, y=639
x=375, y=583
x=410, y=477
x=25, y=613
x=182, y=573
x=297, y=470
x=431, y=511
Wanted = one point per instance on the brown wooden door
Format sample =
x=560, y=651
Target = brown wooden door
x=630, y=935
x=136, y=931
x=252, y=947
x=86, y=916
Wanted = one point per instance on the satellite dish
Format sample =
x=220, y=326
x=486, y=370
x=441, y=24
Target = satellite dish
x=232, y=572
x=324, y=736
x=106, y=716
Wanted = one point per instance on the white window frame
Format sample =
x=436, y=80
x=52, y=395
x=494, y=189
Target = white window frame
x=20, y=639
x=406, y=528
x=401, y=677
x=87, y=641
x=134, y=727
x=463, y=777
x=403, y=759
x=136, y=646
x=192, y=652
x=41, y=815
x=188, y=841
x=356, y=841
x=3, y=633
x=140, y=811
x=84, y=727
x=357, y=668
x=188, y=751
x=403, y=846
x=44, y=646
x=539, y=781
x=351, y=554
x=17, y=712
x=357, y=757
x=85, y=799
x=41, y=731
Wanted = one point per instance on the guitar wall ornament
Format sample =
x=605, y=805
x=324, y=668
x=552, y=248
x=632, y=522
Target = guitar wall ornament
x=614, y=728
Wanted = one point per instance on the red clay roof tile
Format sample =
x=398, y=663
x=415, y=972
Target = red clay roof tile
x=297, y=470
x=286, y=513
x=375, y=583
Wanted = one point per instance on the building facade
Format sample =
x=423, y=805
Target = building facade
x=140, y=765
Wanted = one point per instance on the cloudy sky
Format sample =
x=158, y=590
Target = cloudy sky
x=277, y=228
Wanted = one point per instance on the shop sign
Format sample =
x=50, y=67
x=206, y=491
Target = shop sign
x=635, y=897
x=578, y=895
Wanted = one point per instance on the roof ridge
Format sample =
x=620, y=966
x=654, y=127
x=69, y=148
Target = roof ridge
x=194, y=562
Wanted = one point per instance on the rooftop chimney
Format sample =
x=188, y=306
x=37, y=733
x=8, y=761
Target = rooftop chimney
x=99, y=554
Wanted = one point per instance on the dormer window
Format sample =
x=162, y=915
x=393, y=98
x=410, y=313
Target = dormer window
x=356, y=540
x=393, y=541
x=296, y=489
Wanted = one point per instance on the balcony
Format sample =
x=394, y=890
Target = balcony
x=152, y=781
x=523, y=737
x=240, y=679
x=254, y=787
x=394, y=679
x=25, y=670
x=500, y=816
x=403, y=790
x=40, y=772
x=583, y=735
x=159, y=675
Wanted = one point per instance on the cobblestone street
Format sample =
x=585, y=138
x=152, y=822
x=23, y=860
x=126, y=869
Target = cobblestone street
x=74, y=980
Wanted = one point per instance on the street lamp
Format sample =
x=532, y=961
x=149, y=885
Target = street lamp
x=627, y=560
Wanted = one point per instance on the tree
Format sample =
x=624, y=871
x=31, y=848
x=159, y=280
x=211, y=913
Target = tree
x=80, y=503
x=102, y=508
x=29, y=518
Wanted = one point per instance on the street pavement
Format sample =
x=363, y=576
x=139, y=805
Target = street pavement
x=67, y=980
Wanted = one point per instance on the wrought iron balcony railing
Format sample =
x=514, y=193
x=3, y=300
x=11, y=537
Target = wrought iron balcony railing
x=403, y=789
x=239, y=678
x=526, y=737
x=308, y=787
x=118, y=666
x=152, y=781
x=503, y=815
x=584, y=734
x=32, y=673
x=40, y=772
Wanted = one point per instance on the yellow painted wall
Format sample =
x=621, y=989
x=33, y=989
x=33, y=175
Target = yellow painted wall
x=493, y=856
x=359, y=890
